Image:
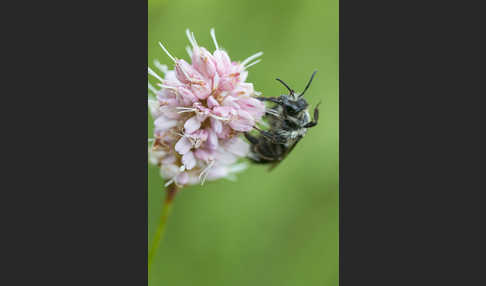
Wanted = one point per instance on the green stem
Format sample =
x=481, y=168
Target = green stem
x=170, y=194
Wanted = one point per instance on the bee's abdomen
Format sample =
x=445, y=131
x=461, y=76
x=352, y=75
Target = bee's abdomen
x=265, y=151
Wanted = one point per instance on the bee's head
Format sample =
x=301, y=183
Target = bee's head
x=293, y=107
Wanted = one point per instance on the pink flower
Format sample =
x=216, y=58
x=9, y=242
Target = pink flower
x=199, y=112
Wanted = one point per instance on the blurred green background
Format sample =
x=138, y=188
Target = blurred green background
x=268, y=228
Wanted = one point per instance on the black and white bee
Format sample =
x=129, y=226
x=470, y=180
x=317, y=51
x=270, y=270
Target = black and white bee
x=288, y=121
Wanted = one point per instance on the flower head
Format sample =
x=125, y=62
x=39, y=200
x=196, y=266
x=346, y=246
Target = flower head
x=199, y=112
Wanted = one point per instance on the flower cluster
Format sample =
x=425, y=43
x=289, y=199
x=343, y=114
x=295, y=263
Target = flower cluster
x=199, y=112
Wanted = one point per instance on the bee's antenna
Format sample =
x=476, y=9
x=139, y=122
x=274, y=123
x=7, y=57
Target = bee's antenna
x=308, y=84
x=290, y=90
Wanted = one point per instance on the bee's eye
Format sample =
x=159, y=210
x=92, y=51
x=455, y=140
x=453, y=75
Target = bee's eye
x=295, y=107
x=291, y=109
x=302, y=104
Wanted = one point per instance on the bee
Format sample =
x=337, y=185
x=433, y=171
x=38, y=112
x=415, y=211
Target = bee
x=288, y=121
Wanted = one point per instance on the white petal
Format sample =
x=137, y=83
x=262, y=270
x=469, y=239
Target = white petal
x=163, y=123
x=192, y=124
x=238, y=147
x=212, y=102
x=189, y=160
x=217, y=173
x=225, y=158
x=183, y=146
x=244, y=122
x=236, y=168
x=212, y=140
x=182, y=178
x=153, y=106
x=216, y=125
x=169, y=171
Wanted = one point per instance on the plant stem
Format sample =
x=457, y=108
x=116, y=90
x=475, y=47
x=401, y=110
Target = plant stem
x=170, y=194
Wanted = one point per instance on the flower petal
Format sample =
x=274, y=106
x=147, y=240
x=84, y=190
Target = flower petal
x=203, y=155
x=238, y=147
x=201, y=91
x=217, y=173
x=169, y=171
x=223, y=111
x=228, y=83
x=223, y=62
x=187, y=94
x=192, y=124
x=183, y=145
x=153, y=107
x=182, y=178
x=186, y=73
x=216, y=82
x=169, y=160
x=226, y=132
x=163, y=123
x=189, y=160
x=243, y=122
x=216, y=125
x=255, y=107
x=212, y=140
x=212, y=102
x=225, y=158
x=201, y=134
x=203, y=61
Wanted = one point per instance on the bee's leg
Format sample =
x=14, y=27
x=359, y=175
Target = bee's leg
x=254, y=156
x=253, y=140
x=277, y=151
x=272, y=112
x=266, y=134
x=271, y=99
x=265, y=152
x=316, y=117
x=273, y=138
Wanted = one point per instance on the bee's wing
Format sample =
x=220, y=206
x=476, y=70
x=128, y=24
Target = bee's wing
x=274, y=165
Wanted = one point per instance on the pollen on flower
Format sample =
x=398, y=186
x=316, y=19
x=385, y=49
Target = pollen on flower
x=200, y=110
